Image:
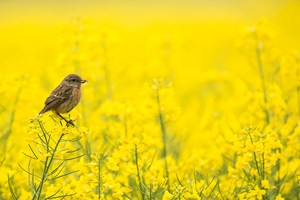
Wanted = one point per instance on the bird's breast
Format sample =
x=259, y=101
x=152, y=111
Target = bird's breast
x=71, y=102
x=76, y=95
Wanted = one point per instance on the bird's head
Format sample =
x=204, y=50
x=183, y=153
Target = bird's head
x=74, y=80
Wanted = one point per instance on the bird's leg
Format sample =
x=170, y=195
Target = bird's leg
x=67, y=121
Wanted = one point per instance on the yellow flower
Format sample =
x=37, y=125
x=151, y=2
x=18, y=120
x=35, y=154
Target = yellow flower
x=191, y=195
x=111, y=164
x=265, y=184
x=118, y=194
x=278, y=197
x=257, y=192
x=242, y=196
x=167, y=196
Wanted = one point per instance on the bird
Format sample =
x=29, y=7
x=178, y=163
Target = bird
x=64, y=97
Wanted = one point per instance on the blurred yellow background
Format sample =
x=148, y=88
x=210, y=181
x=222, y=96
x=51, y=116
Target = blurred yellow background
x=31, y=29
x=201, y=47
x=201, y=36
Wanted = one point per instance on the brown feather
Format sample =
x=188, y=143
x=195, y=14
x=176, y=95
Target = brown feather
x=59, y=95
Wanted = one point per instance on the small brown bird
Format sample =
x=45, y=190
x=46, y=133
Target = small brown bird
x=65, y=96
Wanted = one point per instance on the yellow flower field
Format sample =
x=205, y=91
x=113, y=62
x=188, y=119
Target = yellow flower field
x=184, y=100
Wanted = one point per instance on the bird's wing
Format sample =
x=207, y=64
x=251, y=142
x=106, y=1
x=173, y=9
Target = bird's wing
x=57, y=97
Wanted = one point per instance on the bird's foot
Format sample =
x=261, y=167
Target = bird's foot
x=70, y=122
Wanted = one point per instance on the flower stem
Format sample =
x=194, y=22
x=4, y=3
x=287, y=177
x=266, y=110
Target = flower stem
x=164, y=136
x=263, y=84
x=138, y=171
x=47, y=166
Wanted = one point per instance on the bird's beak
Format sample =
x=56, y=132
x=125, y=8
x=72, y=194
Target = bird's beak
x=83, y=81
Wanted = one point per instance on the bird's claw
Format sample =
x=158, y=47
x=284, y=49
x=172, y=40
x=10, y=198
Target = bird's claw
x=70, y=122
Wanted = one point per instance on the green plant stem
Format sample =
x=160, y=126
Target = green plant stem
x=99, y=178
x=263, y=166
x=298, y=100
x=138, y=171
x=263, y=84
x=47, y=166
x=164, y=137
x=12, y=192
x=255, y=158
